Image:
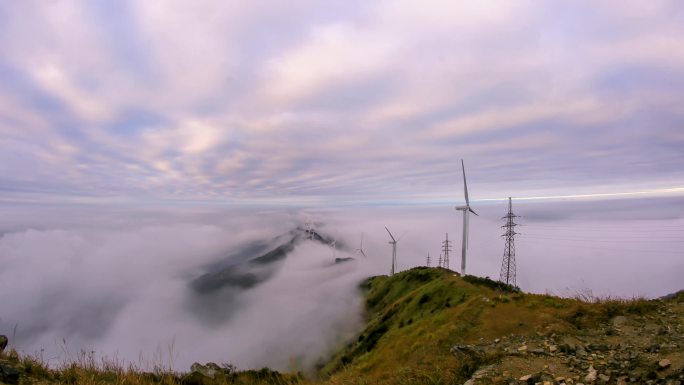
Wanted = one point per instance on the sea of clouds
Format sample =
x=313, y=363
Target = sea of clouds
x=116, y=280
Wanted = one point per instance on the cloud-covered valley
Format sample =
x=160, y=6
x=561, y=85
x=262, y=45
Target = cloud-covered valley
x=179, y=285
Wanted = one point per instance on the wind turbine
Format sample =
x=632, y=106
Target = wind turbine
x=466, y=211
x=360, y=249
x=393, y=242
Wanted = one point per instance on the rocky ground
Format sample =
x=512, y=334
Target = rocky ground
x=643, y=349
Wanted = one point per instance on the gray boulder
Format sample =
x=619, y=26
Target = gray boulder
x=207, y=371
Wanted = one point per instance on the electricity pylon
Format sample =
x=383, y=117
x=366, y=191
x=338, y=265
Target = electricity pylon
x=446, y=248
x=507, y=275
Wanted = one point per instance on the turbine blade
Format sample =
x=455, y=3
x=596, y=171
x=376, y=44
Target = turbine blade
x=472, y=211
x=390, y=234
x=465, y=185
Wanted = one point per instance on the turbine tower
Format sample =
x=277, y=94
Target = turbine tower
x=360, y=249
x=508, y=265
x=466, y=211
x=393, y=242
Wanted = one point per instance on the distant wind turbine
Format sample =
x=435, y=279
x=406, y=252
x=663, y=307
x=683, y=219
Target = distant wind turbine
x=360, y=249
x=466, y=211
x=393, y=242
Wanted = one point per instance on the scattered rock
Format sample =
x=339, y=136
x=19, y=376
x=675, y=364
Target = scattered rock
x=603, y=377
x=664, y=364
x=480, y=373
x=203, y=370
x=525, y=378
x=522, y=349
x=3, y=342
x=599, y=347
x=465, y=349
x=540, y=352
x=580, y=352
x=591, y=375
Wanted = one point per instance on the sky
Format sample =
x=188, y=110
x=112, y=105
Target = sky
x=338, y=102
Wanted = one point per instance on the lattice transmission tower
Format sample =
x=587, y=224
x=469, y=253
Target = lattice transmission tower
x=507, y=275
x=446, y=248
x=428, y=260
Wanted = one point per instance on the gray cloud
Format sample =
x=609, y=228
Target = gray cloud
x=321, y=103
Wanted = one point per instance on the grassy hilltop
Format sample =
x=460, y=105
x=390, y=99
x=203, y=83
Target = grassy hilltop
x=431, y=326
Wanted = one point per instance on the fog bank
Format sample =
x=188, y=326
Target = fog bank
x=118, y=281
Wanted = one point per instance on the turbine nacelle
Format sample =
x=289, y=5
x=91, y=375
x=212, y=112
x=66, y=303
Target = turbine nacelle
x=466, y=208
